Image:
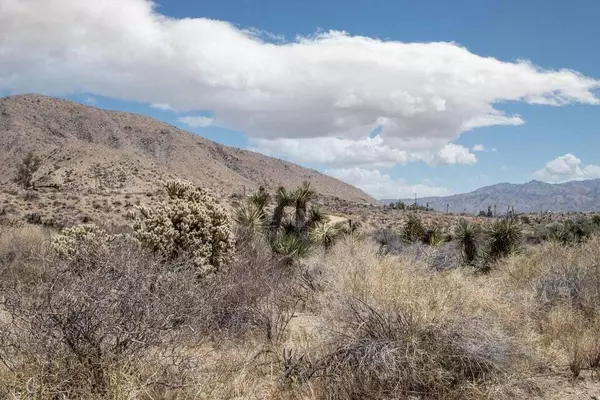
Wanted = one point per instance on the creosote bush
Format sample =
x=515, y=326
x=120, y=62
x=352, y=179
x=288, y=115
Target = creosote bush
x=191, y=224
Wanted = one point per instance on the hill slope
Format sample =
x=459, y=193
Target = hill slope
x=89, y=148
x=532, y=196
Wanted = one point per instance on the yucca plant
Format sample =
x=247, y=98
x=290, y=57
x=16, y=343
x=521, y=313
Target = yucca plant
x=413, y=230
x=303, y=194
x=316, y=216
x=289, y=246
x=468, y=241
x=250, y=218
x=434, y=236
x=505, y=237
x=260, y=199
x=283, y=199
x=288, y=226
x=324, y=234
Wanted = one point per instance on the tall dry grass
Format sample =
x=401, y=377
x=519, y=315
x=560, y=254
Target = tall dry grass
x=351, y=322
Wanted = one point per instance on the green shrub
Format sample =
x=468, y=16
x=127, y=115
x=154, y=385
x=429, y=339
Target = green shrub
x=433, y=236
x=190, y=224
x=413, y=230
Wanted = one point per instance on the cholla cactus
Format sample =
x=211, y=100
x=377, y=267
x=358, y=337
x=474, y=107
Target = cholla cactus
x=69, y=243
x=192, y=222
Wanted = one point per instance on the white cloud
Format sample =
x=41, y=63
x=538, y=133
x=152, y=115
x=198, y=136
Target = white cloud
x=382, y=186
x=90, y=100
x=368, y=151
x=196, y=121
x=329, y=85
x=567, y=168
x=162, y=106
x=479, y=148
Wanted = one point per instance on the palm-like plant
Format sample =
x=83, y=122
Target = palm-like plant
x=468, y=238
x=283, y=199
x=250, y=218
x=324, y=234
x=504, y=238
x=290, y=246
x=302, y=196
x=260, y=199
x=316, y=216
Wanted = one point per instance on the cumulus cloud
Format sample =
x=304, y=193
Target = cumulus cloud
x=369, y=151
x=162, y=106
x=196, y=121
x=567, y=168
x=329, y=86
x=383, y=186
x=479, y=148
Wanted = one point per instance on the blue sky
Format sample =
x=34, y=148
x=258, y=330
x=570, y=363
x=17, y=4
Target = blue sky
x=548, y=142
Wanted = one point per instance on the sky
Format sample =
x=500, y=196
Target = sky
x=396, y=97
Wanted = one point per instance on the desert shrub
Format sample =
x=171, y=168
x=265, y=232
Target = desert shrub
x=468, y=241
x=433, y=236
x=23, y=249
x=570, y=231
x=69, y=331
x=396, y=355
x=290, y=246
x=191, y=224
x=28, y=167
x=389, y=241
x=504, y=237
x=596, y=220
x=564, y=285
x=81, y=241
x=413, y=229
x=324, y=234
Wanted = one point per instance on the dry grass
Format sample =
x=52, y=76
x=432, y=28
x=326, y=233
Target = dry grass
x=347, y=323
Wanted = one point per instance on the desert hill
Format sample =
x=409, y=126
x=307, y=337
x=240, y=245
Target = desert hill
x=89, y=148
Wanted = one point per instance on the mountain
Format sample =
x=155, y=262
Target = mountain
x=85, y=148
x=534, y=196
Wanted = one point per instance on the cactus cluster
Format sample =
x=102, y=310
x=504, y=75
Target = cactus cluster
x=70, y=243
x=192, y=223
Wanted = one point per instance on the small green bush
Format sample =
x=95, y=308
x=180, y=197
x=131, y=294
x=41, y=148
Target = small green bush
x=413, y=230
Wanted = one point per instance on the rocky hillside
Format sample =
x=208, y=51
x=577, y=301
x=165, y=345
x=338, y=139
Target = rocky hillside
x=86, y=148
x=534, y=196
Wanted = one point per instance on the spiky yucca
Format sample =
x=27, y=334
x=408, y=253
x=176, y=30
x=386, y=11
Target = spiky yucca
x=413, y=230
x=434, y=236
x=468, y=241
x=302, y=196
x=250, y=218
x=261, y=199
x=324, y=234
x=283, y=199
x=505, y=237
x=316, y=216
x=289, y=246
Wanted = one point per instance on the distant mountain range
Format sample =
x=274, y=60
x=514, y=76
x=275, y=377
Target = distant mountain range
x=534, y=196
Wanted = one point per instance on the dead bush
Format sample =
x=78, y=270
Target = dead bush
x=384, y=355
x=68, y=331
